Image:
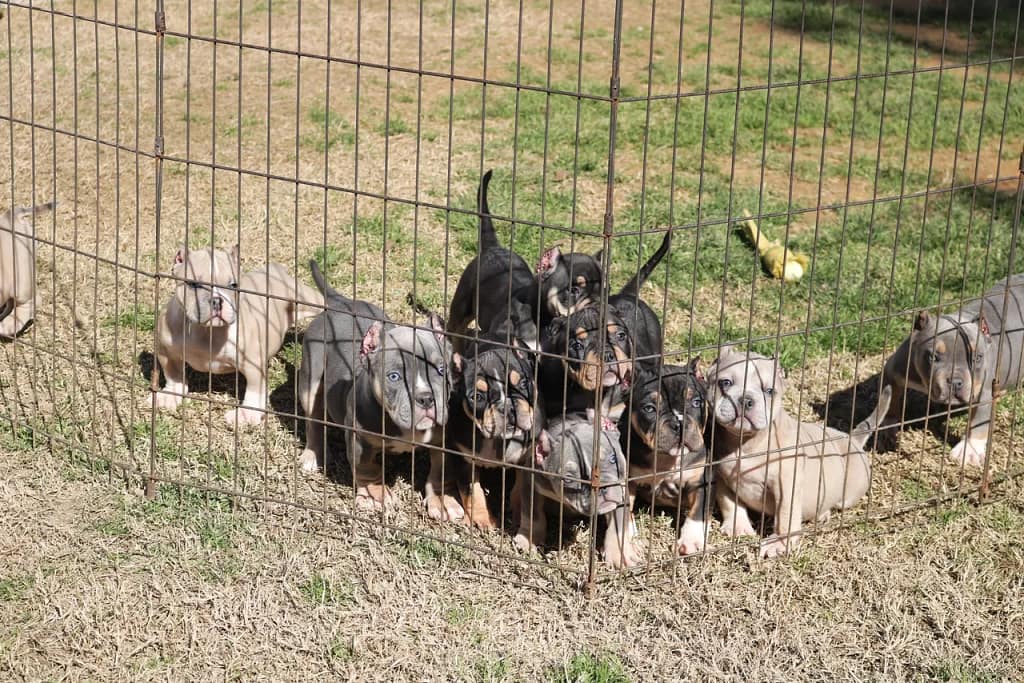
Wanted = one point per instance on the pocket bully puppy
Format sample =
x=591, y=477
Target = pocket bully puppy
x=493, y=421
x=566, y=283
x=642, y=323
x=497, y=290
x=212, y=326
x=767, y=460
x=388, y=385
x=663, y=438
x=18, y=298
x=570, y=375
x=565, y=460
x=952, y=360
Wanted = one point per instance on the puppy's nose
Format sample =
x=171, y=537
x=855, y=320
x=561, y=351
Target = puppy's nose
x=956, y=383
x=425, y=399
x=609, y=356
x=216, y=302
x=747, y=403
x=676, y=427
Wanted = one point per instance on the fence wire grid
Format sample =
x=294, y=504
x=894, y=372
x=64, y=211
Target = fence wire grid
x=879, y=141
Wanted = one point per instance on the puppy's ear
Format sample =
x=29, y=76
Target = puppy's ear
x=543, y=448
x=726, y=350
x=437, y=325
x=983, y=324
x=549, y=261
x=598, y=255
x=371, y=340
x=922, y=320
x=695, y=368
x=181, y=254
x=457, y=363
x=233, y=254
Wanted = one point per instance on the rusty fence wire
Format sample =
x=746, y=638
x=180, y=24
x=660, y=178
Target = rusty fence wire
x=879, y=141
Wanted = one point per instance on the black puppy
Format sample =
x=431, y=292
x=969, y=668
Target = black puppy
x=643, y=324
x=497, y=290
x=569, y=371
x=566, y=283
x=663, y=438
x=494, y=419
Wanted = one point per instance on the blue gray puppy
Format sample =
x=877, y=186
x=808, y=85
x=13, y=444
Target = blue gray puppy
x=386, y=384
x=953, y=359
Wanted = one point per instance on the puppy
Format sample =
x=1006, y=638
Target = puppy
x=387, y=385
x=18, y=298
x=663, y=438
x=497, y=289
x=493, y=421
x=642, y=323
x=570, y=375
x=565, y=460
x=566, y=283
x=213, y=327
x=953, y=360
x=767, y=460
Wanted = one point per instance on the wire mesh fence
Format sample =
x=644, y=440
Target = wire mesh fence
x=820, y=173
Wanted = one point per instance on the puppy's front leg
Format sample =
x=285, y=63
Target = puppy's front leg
x=971, y=449
x=254, y=403
x=693, y=535
x=735, y=520
x=620, y=549
x=533, y=522
x=17, y=319
x=786, y=487
x=440, y=506
x=175, y=384
x=372, y=494
x=476, y=502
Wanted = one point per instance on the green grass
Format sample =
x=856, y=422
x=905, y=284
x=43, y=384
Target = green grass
x=319, y=590
x=21, y=438
x=588, y=668
x=141, y=318
x=426, y=553
x=15, y=587
x=326, y=129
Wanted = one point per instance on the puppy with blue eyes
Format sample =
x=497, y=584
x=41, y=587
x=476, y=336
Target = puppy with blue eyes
x=494, y=421
x=663, y=438
x=954, y=358
x=222, y=321
x=387, y=385
x=769, y=461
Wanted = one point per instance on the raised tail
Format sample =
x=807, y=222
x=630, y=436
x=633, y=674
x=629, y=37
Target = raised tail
x=488, y=237
x=321, y=284
x=37, y=209
x=863, y=431
x=632, y=288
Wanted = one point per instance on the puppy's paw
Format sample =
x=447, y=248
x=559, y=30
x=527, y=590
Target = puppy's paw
x=444, y=508
x=622, y=557
x=773, y=546
x=969, y=452
x=307, y=461
x=374, y=498
x=244, y=416
x=691, y=538
x=164, y=401
x=737, y=526
x=523, y=544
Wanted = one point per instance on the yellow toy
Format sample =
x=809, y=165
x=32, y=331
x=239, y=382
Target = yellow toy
x=782, y=263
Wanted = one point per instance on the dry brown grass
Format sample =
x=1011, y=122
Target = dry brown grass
x=98, y=583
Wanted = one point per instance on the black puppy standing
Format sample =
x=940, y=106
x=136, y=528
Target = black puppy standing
x=641, y=321
x=493, y=419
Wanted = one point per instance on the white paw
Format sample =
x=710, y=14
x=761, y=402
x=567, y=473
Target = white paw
x=969, y=452
x=737, y=527
x=374, y=498
x=628, y=555
x=523, y=544
x=691, y=538
x=444, y=508
x=244, y=416
x=307, y=461
x=773, y=546
x=165, y=401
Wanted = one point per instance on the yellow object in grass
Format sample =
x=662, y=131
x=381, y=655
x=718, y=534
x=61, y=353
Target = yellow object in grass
x=782, y=263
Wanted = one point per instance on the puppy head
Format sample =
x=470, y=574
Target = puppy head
x=208, y=285
x=565, y=451
x=950, y=353
x=568, y=282
x=578, y=339
x=411, y=371
x=497, y=390
x=744, y=390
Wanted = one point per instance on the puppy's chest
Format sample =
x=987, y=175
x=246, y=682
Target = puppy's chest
x=216, y=352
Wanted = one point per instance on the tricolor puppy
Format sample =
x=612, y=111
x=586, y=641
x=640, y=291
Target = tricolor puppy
x=387, y=385
x=570, y=374
x=641, y=321
x=497, y=289
x=18, y=298
x=493, y=421
x=565, y=460
x=663, y=437
x=567, y=283
x=221, y=321
x=768, y=461
x=952, y=359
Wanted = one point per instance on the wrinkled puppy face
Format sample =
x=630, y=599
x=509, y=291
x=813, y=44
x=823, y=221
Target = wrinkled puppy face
x=565, y=451
x=744, y=390
x=949, y=355
x=498, y=393
x=568, y=282
x=411, y=373
x=208, y=285
x=668, y=415
x=579, y=338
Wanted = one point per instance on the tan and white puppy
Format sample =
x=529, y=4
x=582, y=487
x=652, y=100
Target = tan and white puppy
x=221, y=321
x=18, y=298
x=767, y=460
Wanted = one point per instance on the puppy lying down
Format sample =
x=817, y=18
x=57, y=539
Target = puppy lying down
x=768, y=461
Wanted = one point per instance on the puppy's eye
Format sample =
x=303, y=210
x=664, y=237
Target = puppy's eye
x=440, y=370
x=575, y=292
x=724, y=383
x=479, y=397
x=524, y=384
x=769, y=391
x=575, y=345
x=233, y=285
x=193, y=285
x=697, y=402
x=394, y=376
x=978, y=358
x=620, y=335
x=648, y=408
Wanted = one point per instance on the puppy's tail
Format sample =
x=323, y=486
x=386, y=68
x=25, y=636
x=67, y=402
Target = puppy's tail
x=321, y=284
x=417, y=305
x=488, y=237
x=22, y=211
x=632, y=288
x=862, y=432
